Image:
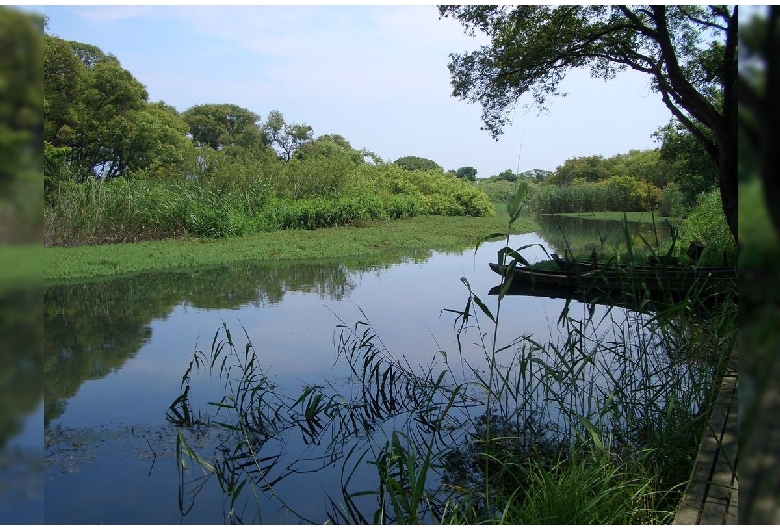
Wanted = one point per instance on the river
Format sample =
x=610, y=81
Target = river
x=116, y=352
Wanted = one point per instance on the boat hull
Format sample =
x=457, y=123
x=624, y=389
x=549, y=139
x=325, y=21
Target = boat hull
x=623, y=279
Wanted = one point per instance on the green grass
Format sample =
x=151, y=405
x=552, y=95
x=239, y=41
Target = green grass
x=430, y=232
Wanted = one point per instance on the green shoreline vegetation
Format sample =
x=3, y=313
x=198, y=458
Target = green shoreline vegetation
x=428, y=232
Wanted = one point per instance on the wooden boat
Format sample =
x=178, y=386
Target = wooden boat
x=572, y=266
x=630, y=279
x=650, y=304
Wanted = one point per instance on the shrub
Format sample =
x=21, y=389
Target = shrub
x=498, y=190
x=707, y=224
x=672, y=202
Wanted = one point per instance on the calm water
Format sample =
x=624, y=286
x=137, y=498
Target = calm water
x=115, y=353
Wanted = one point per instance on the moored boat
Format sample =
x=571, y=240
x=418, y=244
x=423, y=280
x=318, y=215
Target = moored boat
x=658, y=279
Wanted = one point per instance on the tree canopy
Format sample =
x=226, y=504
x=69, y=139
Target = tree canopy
x=412, y=163
x=466, y=172
x=690, y=52
x=21, y=126
x=286, y=137
x=99, y=116
x=220, y=125
x=759, y=117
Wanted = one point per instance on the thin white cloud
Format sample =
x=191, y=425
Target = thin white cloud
x=368, y=53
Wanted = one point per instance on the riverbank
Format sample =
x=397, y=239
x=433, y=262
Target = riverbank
x=429, y=232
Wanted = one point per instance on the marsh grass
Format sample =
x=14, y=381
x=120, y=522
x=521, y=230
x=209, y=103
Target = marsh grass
x=600, y=425
x=303, y=195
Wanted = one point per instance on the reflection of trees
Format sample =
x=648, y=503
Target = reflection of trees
x=258, y=284
x=93, y=328
x=604, y=236
x=21, y=329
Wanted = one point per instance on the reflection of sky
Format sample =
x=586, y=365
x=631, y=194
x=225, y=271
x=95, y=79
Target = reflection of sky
x=294, y=339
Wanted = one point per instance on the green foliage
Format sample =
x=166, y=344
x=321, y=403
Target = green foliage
x=234, y=198
x=221, y=125
x=586, y=168
x=672, y=202
x=100, y=112
x=286, y=137
x=329, y=146
x=233, y=177
x=466, y=172
x=689, y=167
x=707, y=224
x=690, y=52
x=507, y=175
x=414, y=163
x=497, y=190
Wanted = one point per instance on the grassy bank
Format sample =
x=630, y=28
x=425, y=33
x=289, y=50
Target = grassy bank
x=429, y=232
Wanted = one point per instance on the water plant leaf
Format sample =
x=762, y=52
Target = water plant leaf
x=594, y=433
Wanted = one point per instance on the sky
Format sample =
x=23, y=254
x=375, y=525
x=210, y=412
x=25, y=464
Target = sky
x=377, y=75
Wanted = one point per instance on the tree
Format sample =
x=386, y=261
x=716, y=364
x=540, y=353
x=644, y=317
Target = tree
x=689, y=166
x=412, y=163
x=690, y=52
x=287, y=137
x=539, y=175
x=507, y=175
x=467, y=173
x=329, y=146
x=589, y=168
x=98, y=120
x=221, y=125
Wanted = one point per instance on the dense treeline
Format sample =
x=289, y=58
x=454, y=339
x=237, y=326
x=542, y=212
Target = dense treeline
x=669, y=180
x=121, y=168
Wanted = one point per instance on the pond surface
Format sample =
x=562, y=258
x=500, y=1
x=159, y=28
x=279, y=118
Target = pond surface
x=116, y=351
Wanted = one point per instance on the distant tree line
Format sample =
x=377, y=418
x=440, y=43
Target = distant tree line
x=670, y=178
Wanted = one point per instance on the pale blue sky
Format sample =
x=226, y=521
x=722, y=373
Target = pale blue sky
x=377, y=75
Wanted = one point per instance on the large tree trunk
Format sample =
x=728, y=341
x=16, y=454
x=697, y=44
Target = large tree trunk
x=769, y=148
x=729, y=183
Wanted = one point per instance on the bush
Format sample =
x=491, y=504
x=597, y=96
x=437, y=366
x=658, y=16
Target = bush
x=498, y=190
x=672, y=202
x=228, y=197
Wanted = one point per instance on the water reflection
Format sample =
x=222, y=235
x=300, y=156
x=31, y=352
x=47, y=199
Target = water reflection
x=21, y=369
x=115, y=352
x=605, y=237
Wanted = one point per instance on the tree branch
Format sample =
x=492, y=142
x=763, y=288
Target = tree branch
x=637, y=23
x=685, y=93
